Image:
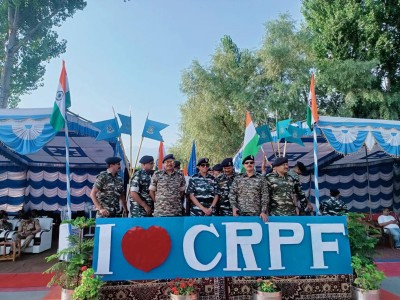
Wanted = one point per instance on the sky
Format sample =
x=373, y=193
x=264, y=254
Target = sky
x=130, y=56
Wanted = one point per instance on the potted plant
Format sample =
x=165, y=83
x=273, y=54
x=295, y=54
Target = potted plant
x=68, y=268
x=89, y=287
x=266, y=289
x=362, y=237
x=183, y=289
x=368, y=279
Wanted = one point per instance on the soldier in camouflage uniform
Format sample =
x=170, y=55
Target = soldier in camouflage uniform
x=107, y=191
x=224, y=182
x=203, y=191
x=302, y=209
x=281, y=188
x=248, y=195
x=166, y=189
x=333, y=206
x=141, y=202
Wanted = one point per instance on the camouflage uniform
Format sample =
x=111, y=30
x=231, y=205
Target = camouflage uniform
x=249, y=194
x=140, y=183
x=110, y=188
x=333, y=207
x=301, y=196
x=204, y=189
x=225, y=183
x=167, y=188
x=282, y=195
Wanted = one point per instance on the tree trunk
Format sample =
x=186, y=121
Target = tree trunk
x=10, y=43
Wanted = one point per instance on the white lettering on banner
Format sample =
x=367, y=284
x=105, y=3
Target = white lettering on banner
x=243, y=248
x=319, y=247
x=245, y=242
x=104, y=253
x=189, y=251
x=275, y=241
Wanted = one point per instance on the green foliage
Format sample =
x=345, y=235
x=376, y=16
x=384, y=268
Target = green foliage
x=28, y=39
x=361, y=237
x=89, y=287
x=217, y=99
x=79, y=253
x=359, y=41
x=285, y=64
x=275, y=78
x=266, y=286
x=367, y=276
x=362, y=245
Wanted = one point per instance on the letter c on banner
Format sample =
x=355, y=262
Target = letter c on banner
x=189, y=252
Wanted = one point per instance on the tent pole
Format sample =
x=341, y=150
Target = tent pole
x=369, y=194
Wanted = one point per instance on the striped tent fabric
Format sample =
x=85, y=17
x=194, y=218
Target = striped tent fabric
x=37, y=179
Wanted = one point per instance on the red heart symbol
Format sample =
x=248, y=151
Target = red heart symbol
x=146, y=249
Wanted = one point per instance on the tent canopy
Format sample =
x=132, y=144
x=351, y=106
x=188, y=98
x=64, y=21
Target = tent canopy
x=32, y=160
x=349, y=150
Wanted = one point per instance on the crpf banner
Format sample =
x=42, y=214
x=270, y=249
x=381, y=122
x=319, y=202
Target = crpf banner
x=170, y=247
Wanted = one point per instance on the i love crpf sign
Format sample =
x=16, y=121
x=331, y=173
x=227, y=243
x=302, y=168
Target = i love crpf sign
x=162, y=248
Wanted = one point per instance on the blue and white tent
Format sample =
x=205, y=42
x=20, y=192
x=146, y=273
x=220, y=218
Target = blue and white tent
x=32, y=160
x=350, y=151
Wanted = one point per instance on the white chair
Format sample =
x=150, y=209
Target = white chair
x=43, y=238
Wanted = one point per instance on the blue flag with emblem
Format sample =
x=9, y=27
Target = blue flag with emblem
x=126, y=124
x=108, y=129
x=282, y=129
x=152, y=130
x=264, y=133
x=192, y=161
x=296, y=134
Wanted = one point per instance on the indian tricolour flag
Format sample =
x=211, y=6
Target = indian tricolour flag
x=251, y=137
x=312, y=109
x=63, y=101
x=161, y=154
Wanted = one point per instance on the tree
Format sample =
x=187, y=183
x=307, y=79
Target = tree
x=274, y=78
x=217, y=99
x=28, y=39
x=355, y=34
x=286, y=61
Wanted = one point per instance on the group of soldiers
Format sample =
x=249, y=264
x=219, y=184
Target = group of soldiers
x=220, y=192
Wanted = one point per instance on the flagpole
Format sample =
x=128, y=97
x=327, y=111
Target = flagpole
x=284, y=148
x=277, y=135
x=137, y=156
x=266, y=158
x=67, y=170
x=273, y=148
x=130, y=141
x=316, y=188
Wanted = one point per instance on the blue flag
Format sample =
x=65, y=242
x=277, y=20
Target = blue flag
x=264, y=133
x=152, y=130
x=192, y=161
x=296, y=133
x=282, y=129
x=126, y=124
x=108, y=129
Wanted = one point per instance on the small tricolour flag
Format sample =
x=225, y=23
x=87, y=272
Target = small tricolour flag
x=63, y=101
x=312, y=109
x=250, y=143
x=161, y=154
